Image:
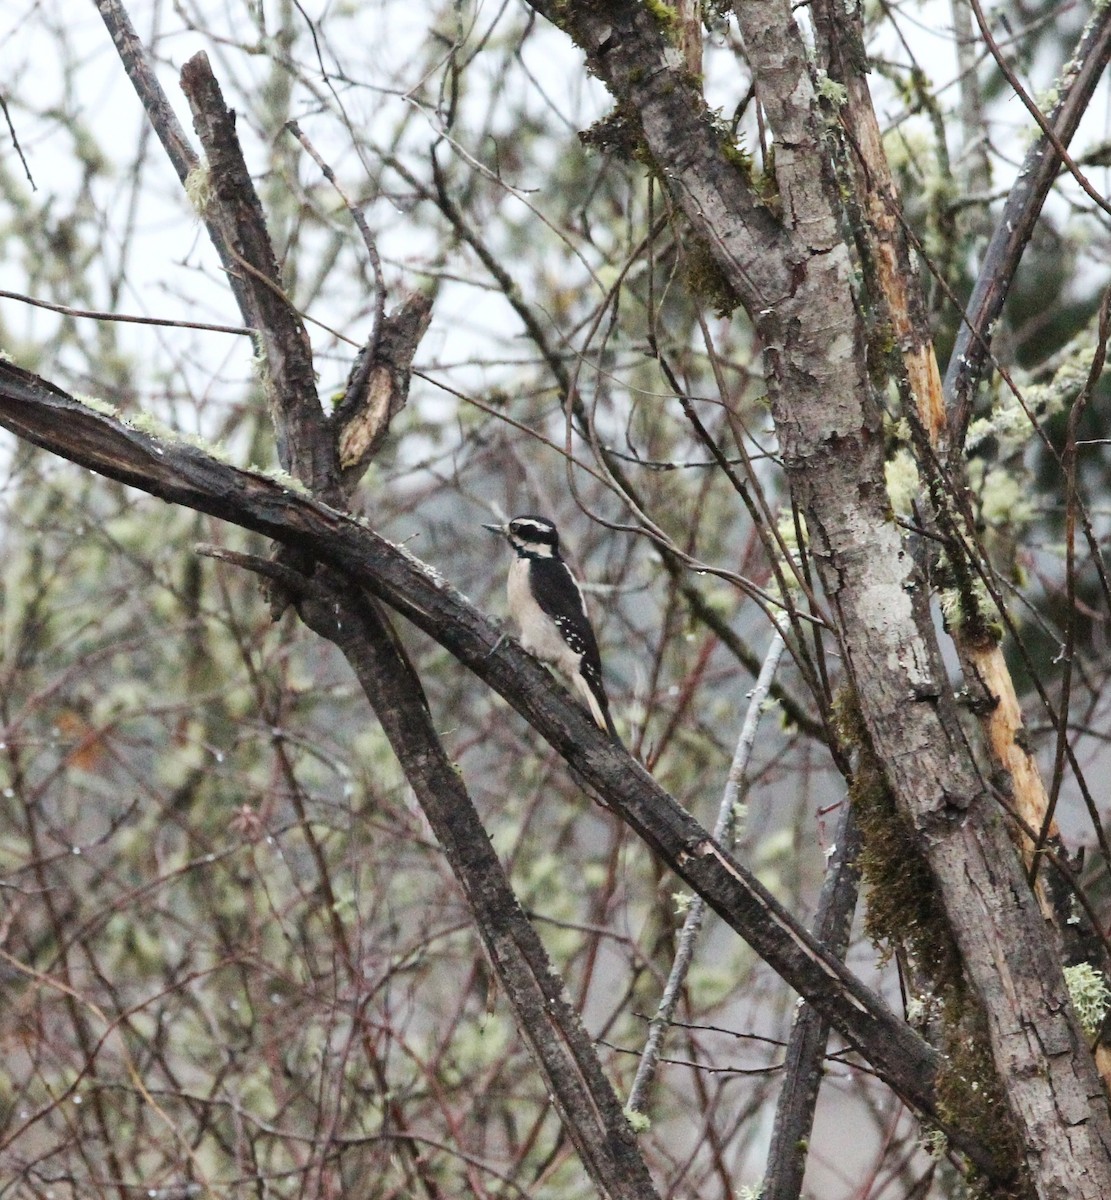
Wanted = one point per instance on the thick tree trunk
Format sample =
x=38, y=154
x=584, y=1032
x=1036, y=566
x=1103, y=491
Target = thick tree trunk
x=793, y=276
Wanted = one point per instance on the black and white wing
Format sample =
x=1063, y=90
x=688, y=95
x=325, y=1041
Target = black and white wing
x=558, y=593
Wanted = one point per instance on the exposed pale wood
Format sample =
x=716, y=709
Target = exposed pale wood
x=831, y=440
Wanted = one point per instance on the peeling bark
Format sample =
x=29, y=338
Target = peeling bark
x=830, y=436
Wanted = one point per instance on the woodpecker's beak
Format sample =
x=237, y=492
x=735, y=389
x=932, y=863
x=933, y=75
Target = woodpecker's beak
x=496, y=529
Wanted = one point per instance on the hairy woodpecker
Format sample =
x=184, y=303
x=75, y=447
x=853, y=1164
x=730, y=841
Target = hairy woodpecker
x=547, y=603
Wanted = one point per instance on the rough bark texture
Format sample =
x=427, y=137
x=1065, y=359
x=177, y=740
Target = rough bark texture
x=882, y=236
x=894, y=283
x=235, y=211
x=794, y=280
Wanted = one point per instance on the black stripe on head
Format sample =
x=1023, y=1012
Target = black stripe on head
x=532, y=535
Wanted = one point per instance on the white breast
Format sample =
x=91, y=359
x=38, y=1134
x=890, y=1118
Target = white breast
x=539, y=635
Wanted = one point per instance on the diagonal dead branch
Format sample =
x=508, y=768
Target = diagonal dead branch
x=561, y=1047
x=46, y=416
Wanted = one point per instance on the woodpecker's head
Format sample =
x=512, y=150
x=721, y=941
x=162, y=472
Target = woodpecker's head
x=531, y=537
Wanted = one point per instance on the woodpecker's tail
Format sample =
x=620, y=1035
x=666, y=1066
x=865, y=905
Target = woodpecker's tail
x=596, y=700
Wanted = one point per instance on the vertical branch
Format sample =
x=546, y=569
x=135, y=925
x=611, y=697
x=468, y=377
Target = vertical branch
x=894, y=263
x=975, y=164
x=798, y=1095
x=232, y=205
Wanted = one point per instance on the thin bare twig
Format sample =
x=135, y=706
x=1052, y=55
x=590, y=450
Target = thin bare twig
x=798, y=1095
x=15, y=142
x=724, y=828
x=364, y=231
x=97, y=315
x=268, y=568
x=1077, y=411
